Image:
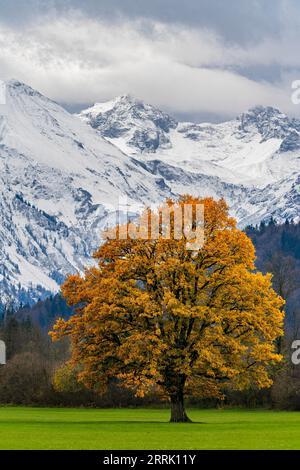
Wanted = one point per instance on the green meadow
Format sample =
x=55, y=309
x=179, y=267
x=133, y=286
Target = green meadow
x=61, y=428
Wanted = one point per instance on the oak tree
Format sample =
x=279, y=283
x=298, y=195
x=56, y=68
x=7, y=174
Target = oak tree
x=161, y=313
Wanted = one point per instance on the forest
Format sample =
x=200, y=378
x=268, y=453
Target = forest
x=36, y=374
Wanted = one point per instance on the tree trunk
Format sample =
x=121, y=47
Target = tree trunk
x=178, y=414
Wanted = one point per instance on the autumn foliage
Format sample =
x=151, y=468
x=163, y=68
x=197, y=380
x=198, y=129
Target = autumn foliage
x=155, y=314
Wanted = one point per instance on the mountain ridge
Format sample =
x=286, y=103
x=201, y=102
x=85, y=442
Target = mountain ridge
x=204, y=145
x=62, y=175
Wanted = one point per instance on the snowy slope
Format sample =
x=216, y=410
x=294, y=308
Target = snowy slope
x=258, y=148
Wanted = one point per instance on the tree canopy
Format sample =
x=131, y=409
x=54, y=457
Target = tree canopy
x=157, y=315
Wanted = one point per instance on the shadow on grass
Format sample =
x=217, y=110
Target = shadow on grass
x=93, y=423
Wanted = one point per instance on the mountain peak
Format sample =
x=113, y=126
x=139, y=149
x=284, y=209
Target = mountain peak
x=127, y=97
x=270, y=122
x=142, y=127
x=107, y=106
x=20, y=87
x=264, y=111
x=17, y=91
x=13, y=82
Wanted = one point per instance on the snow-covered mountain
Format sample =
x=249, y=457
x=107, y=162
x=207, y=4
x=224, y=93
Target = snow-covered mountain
x=257, y=154
x=61, y=176
x=58, y=182
x=259, y=147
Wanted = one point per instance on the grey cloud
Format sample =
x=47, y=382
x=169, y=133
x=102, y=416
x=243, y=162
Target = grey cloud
x=235, y=20
x=200, y=57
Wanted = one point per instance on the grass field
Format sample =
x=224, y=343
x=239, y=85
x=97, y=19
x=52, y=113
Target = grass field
x=52, y=428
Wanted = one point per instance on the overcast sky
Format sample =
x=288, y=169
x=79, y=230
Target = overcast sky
x=195, y=58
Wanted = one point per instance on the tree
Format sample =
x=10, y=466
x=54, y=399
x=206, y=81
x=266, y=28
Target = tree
x=285, y=275
x=25, y=379
x=65, y=380
x=155, y=313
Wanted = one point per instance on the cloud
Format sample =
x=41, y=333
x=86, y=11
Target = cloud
x=238, y=21
x=76, y=59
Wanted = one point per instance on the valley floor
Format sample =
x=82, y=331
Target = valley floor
x=61, y=428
